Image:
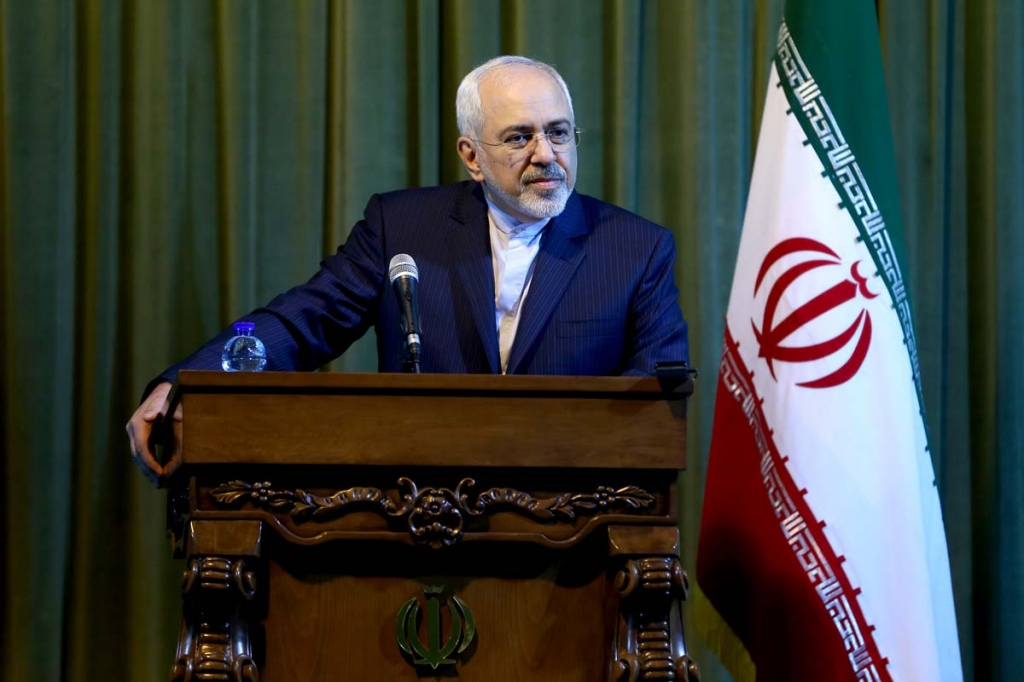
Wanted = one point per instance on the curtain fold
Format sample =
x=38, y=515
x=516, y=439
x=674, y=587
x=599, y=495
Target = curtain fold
x=166, y=167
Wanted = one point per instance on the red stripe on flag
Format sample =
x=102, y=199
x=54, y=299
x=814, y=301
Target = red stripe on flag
x=764, y=560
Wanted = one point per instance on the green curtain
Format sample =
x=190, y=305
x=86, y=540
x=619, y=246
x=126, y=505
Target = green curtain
x=167, y=166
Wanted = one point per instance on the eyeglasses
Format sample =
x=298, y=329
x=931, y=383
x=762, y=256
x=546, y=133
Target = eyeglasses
x=559, y=138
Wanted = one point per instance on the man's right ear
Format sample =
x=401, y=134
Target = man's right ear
x=467, y=152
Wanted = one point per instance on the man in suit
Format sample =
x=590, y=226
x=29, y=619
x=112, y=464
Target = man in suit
x=518, y=273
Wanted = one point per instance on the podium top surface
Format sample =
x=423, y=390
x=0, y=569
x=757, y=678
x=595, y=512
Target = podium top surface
x=199, y=380
x=479, y=420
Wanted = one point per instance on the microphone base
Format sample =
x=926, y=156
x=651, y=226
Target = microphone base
x=411, y=363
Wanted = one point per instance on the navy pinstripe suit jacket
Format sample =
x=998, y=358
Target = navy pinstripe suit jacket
x=602, y=301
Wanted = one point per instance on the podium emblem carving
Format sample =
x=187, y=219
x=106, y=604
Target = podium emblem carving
x=433, y=652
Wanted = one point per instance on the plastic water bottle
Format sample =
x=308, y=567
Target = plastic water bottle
x=243, y=352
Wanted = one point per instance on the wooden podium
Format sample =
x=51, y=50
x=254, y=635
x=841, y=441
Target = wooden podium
x=400, y=527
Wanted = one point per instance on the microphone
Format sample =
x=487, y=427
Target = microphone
x=404, y=276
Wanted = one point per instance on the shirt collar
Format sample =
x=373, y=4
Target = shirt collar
x=511, y=226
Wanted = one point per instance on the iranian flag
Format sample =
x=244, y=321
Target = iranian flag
x=822, y=543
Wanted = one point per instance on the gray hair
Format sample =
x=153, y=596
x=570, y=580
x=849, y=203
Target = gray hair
x=469, y=111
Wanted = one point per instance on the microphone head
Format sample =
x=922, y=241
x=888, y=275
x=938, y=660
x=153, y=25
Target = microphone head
x=402, y=264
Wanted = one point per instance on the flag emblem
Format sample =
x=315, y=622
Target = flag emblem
x=773, y=332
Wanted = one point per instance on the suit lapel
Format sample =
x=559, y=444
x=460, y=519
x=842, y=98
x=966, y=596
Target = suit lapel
x=561, y=252
x=470, y=243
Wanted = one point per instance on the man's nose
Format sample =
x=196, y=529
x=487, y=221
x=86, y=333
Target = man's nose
x=543, y=153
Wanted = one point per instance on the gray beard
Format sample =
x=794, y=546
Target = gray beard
x=536, y=203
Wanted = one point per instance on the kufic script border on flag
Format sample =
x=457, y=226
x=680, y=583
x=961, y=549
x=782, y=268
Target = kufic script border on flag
x=801, y=529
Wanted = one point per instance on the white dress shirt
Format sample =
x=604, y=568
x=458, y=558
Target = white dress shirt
x=514, y=247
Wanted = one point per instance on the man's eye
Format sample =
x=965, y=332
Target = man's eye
x=559, y=135
x=515, y=140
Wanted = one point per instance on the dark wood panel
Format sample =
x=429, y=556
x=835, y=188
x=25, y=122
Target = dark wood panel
x=538, y=619
x=416, y=431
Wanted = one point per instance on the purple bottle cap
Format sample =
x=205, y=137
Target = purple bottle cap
x=244, y=327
